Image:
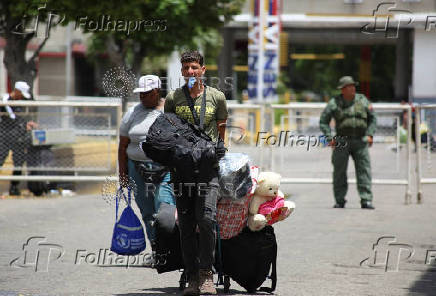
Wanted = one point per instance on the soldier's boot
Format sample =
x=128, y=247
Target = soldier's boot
x=340, y=205
x=206, y=285
x=367, y=205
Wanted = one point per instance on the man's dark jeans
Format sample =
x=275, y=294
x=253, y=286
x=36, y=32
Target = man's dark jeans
x=196, y=205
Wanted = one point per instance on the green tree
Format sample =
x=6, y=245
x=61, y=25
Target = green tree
x=182, y=23
x=15, y=17
x=186, y=22
x=24, y=20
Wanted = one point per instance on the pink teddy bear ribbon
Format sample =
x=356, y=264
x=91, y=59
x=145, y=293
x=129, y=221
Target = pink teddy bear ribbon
x=272, y=209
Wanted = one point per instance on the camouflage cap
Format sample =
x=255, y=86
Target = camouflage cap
x=346, y=80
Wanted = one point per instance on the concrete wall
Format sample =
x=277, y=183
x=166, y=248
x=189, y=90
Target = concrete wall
x=52, y=76
x=3, y=74
x=58, y=38
x=424, y=65
x=344, y=6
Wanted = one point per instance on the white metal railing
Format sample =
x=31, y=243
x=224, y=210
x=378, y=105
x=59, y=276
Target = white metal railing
x=420, y=179
x=316, y=108
x=254, y=124
x=66, y=113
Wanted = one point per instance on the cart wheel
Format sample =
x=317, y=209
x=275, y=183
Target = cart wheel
x=183, y=281
x=182, y=286
x=226, y=284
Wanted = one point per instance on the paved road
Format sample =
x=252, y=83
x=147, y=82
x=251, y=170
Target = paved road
x=320, y=248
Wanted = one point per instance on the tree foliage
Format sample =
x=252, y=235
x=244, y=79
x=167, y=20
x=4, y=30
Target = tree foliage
x=187, y=24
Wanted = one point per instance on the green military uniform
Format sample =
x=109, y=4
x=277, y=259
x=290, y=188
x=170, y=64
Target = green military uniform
x=355, y=121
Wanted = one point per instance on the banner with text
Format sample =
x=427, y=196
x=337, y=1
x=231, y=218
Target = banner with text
x=263, y=51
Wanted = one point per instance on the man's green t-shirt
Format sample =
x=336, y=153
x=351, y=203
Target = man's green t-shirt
x=216, y=108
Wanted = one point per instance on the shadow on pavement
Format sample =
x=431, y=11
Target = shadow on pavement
x=155, y=292
x=124, y=266
x=426, y=285
x=176, y=291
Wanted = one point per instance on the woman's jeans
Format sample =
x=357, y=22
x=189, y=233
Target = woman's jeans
x=149, y=196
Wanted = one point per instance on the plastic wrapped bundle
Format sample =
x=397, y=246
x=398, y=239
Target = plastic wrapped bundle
x=232, y=214
x=235, y=179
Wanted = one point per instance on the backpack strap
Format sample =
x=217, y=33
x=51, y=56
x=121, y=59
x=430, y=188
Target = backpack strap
x=117, y=201
x=273, y=275
x=199, y=122
x=203, y=107
x=120, y=194
x=129, y=194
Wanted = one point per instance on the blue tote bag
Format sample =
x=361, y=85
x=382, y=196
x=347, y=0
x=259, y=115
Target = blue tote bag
x=128, y=237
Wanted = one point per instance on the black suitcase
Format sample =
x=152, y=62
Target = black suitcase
x=168, y=251
x=248, y=258
x=40, y=156
x=167, y=248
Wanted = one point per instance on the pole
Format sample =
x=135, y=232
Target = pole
x=409, y=152
x=418, y=153
x=66, y=112
x=68, y=62
x=261, y=54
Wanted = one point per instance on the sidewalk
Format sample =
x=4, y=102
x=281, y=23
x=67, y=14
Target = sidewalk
x=320, y=248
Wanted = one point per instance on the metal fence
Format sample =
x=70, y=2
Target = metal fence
x=425, y=128
x=304, y=158
x=82, y=137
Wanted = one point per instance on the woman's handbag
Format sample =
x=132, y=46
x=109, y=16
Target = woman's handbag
x=128, y=237
x=151, y=172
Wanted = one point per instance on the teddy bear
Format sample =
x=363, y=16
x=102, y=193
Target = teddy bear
x=268, y=205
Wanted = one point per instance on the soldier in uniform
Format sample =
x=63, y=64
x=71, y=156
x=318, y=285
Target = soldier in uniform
x=355, y=125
